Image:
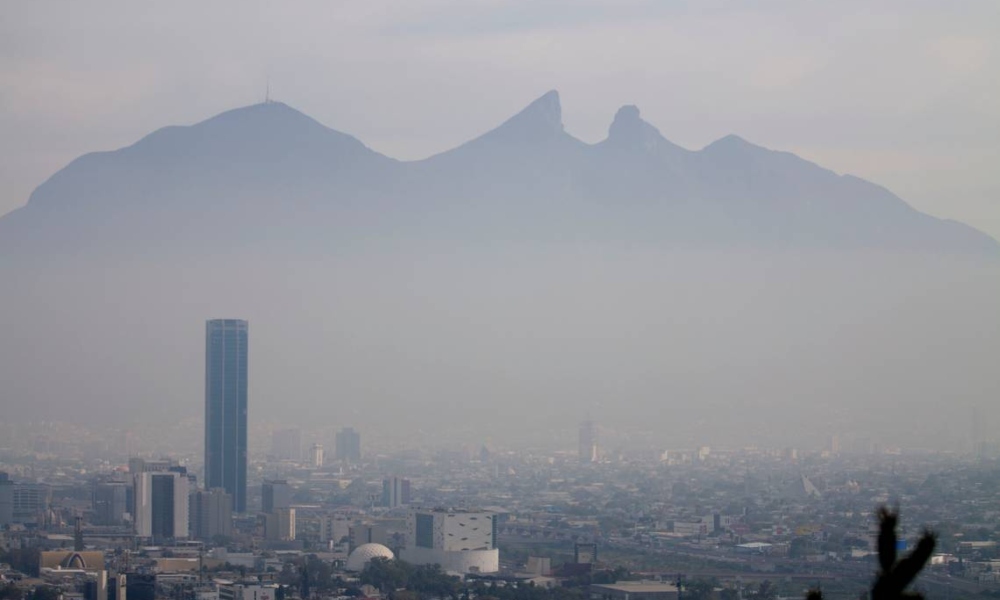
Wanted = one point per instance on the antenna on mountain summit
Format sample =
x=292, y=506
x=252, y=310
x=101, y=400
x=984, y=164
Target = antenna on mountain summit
x=267, y=91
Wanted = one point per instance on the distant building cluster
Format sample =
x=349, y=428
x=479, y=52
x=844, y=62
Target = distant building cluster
x=263, y=513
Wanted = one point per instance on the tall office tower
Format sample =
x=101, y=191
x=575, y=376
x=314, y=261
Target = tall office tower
x=395, y=492
x=139, y=586
x=279, y=525
x=6, y=500
x=286, y=444
x=316, y=455
x=275, y=494
x=360, y=534
x=117, y=586
x=211, y=514
x=95, y=586
x=161, y=505
x=226, y=408
x=588, y=442
x=333, y=528
x=348, y=445
x=31, y=502
x=110, y=502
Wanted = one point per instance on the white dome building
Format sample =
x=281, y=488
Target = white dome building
x=363, y=554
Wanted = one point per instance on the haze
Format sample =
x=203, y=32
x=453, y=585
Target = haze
x=508, y=288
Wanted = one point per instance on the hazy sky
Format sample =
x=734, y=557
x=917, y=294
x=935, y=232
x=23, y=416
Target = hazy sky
x=900, y=92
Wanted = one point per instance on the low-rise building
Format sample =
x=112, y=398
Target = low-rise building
x=634, y=590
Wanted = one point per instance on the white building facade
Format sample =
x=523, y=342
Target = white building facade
x=461, y=541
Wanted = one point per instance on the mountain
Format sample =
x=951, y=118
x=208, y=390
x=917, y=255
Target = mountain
x=268, y=169
x=220, y=180
x=505, y=288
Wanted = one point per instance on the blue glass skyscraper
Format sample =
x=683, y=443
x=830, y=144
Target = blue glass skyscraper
x=226, y=408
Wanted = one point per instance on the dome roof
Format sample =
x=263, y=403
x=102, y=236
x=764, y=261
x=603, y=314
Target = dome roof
x=359, y=559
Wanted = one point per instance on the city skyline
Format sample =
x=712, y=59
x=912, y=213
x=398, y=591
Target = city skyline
x=552, y=300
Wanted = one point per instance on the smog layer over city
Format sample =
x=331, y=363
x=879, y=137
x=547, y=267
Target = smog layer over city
x=547, y=300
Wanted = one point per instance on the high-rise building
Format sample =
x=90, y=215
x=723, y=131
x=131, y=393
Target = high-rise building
x=6, y=500
x=110, y=501
x=226, y=349
x=275, y=494
x=348, y=445
x=95, y=586
x=286, y=444
x=161, y=504
x=316, y=455
x=211, y=514
x=117, y=587
x=333, y=528
x=360, y=534
x=279, y=525
x=588, y=451
x=140, y=586
x=31, y=502
x=395, y=492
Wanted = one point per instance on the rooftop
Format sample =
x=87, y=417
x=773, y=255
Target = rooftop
x=638, y=586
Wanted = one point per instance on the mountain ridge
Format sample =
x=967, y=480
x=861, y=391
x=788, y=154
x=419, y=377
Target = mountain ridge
x=523, y=277
x=525, y=175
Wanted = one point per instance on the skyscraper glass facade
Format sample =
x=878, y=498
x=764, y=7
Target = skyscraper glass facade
x=348, y=445
x=226, y=408
x=163, y=506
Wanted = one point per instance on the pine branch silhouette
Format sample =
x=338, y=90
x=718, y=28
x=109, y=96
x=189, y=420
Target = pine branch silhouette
x=894, y=575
